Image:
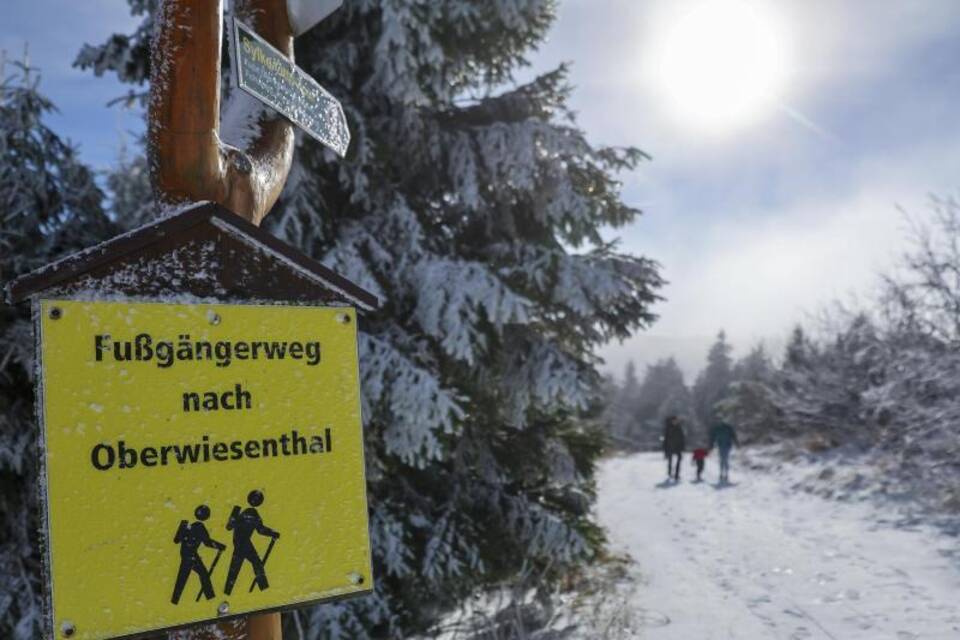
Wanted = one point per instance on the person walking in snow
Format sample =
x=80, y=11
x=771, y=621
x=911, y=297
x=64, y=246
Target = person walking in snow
x=674, y=442
x=699, y=459
x=723, y=436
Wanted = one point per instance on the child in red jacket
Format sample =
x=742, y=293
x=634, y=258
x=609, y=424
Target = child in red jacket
x=699, y=457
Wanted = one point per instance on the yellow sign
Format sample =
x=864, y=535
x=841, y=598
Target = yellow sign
x=201, y=461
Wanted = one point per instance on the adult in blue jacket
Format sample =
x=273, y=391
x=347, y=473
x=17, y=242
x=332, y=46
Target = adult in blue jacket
x=723, y=436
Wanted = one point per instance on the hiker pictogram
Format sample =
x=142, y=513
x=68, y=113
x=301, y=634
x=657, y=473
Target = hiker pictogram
x=244, y=524
x=190, y=537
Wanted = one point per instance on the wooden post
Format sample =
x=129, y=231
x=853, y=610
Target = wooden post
x=189, y=162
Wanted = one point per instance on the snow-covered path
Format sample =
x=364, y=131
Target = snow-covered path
x=755, y=561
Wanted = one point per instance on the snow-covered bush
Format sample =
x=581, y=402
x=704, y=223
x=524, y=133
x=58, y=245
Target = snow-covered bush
x=884, y=381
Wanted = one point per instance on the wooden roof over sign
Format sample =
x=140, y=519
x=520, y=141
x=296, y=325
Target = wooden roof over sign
x=280, y=272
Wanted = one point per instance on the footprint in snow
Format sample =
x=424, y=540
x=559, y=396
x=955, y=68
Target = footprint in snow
x=867, y=621
x=892, y=572
x=759, y=600
x=824, y=578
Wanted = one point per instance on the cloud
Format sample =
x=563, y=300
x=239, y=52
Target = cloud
x=757, y=274
x=761, y=226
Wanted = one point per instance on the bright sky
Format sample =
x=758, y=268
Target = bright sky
x=762, y=204
x=765, y=220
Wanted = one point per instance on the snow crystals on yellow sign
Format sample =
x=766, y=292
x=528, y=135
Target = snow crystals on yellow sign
x=200, y=461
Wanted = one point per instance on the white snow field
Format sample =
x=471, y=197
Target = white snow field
x=756, y=561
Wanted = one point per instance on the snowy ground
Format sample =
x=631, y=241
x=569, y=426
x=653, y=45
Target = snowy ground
x=756, y=561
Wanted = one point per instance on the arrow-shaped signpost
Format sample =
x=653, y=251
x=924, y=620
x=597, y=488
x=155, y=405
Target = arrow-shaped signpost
x=267, y=74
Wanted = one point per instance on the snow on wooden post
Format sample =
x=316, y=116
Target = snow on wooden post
x=188, y=160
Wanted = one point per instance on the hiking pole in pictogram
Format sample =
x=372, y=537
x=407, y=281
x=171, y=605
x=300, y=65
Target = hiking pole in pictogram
x=266, y=556
x=213, y=566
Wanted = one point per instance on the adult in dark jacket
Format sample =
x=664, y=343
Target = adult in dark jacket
x=723, y=436
x=674, y=442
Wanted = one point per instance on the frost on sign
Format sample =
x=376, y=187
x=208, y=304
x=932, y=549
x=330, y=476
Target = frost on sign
x=201, y=460
x=268, y=75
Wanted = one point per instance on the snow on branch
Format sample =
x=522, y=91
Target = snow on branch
x=416, y=404
x=455, y=298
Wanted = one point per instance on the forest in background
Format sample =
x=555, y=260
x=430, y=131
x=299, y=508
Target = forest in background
x=635, y=408
x=875, y=381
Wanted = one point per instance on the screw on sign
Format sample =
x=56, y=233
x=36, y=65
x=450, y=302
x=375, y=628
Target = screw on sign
x=202, y=418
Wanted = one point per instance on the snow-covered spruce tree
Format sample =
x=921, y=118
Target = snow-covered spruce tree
x=712, y=383
x=663, y=393
x=473, y=207
x=130, y=194
x=749, y=402
x=636, y=412
x=620, y=413
x=50, y=206
x=799, y=351
x=753, y=367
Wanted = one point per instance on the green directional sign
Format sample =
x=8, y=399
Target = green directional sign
x=270, y=76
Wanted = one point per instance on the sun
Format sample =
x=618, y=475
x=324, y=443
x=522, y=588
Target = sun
x=719, y=64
